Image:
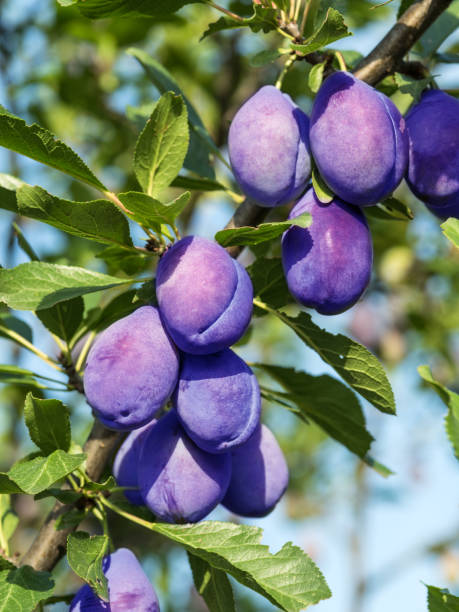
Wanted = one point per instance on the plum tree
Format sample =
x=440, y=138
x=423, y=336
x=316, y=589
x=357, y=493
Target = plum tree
x=127, y=460
x=137, y=349
x=328, y=265
x=178, y=481
x=217, y=400
x=259, y=475
x=358, y=140
x=205, y=296
x=268, y=147
x=128, y=587
x=433, y=132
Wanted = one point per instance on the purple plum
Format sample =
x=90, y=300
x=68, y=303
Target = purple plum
x=433, y=171
x=205, y=296
x=127, y=461
x=327, y=265
x=178, y=481
x=358, y=140
x=217, y=400
x=259, y=475
x=128, y=587
x=131, y=370
x=269, y=148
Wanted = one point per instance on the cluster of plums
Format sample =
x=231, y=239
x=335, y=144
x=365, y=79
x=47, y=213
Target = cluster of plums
x=363, y=148
x=210, y=447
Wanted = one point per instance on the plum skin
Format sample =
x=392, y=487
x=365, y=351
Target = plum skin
x=259, y=475
x=131, y=370
x=433, y=170
x=128, y=587
x=358, y=140
x=327, y=265
x=217, y=400
x=268, y=146
x=126, y=462
x=204, y=296
x=178, y=481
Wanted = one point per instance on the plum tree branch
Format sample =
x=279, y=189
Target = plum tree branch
x=49, y=545
x=398, y=41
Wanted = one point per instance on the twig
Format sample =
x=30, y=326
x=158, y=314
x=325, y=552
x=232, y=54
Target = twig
x=398, y=41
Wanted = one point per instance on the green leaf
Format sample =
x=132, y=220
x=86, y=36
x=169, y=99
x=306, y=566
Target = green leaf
x=85, y=554
x=451, y=230
x=322, y=190
x=390, y=209
x=38, y=285
x=332, y=28
x=289, y=579
x=197, y=184
x=5, y=564
x=37, y=474
x=440, y=29
x=269, y=283
x=315, y=77
x=48, y=422
x=263, y=18
x=22, y=589
x=8, y=522
x=162, y=145
x=130, y=262
x=24, y=243
x=99, y=220
x=71, y=519
x=7, y=485
x=352, y=361
x=8, y=187
x=9, y=323
x=266, y=57
x=441, y=600
x=13, y=375
x=262, y=233
x=409, y=91
x=98, y=9
x=327, y=402
x=213, y=585
x=63, y=319
x=451, y=400
x=63, y=495
x=201, y=143
x=150, y=212
x=120, y=306
x=37, y=143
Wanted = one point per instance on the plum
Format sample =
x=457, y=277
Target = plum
x=259, y=475
x=131, y=370
x=217, y=400
x=127, y=461
x=205, y=296
x=269, y=148
x=433, y=171
x=178, y=481
x=128, y=587
x=328, y=265
x=358, y=140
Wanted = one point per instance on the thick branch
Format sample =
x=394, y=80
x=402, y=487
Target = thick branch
x=387, y=54
x=49, y=545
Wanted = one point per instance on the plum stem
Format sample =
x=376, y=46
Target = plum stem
x=84, y=352
x=288, y=64
x=341, y=61
x=29, y=346
x=224, y=10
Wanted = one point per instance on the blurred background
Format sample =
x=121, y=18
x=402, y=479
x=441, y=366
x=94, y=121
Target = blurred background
x=376, y=540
